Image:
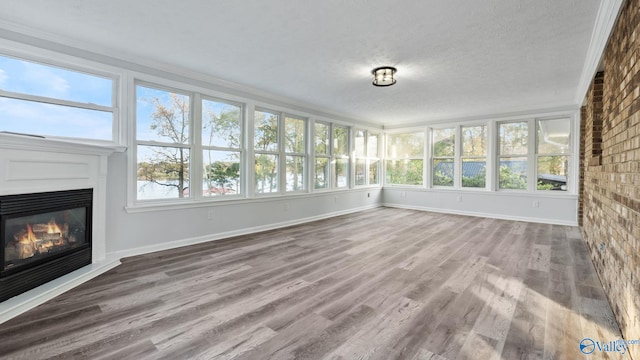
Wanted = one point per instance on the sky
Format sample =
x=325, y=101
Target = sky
x=29, y=117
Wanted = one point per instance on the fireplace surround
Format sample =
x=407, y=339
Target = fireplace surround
x=42, y=237
x=36, y=165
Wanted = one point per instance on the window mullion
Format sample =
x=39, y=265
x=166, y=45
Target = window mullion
x=196, y=166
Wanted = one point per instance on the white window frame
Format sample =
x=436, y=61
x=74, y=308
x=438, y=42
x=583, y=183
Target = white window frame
x=241, y=149
x=455, y=157
x=426, y=173
x=462, y=157
x=569, y=185
x=334, y=157
x=43, y=57
x=282, y=153
x=328, y=156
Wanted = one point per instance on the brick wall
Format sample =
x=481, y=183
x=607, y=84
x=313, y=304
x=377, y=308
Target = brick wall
x=611, y=175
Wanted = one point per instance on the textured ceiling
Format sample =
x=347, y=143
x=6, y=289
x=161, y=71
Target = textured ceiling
x=455, y=58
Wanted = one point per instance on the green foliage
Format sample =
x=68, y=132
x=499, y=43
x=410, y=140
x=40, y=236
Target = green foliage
x=478, y=181
x=442, y=179
x=224, y=175
x=511, y=180
x=404, y=172
x=543, y=186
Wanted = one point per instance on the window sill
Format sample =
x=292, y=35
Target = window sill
x=536, y=194
x=236, y=200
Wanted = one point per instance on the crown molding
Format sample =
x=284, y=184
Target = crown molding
x=605, y=21
x=519, y=114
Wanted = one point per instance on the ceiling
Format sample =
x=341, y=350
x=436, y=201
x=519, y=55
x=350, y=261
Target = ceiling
x=455, y=59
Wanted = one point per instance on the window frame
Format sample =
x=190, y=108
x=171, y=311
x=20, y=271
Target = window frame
x=241, y=149
x=454, y=158
x=366, y=157
x=327, y=155
x=282, y=153
x=77, y=65
x=425, y=135
x=462, y=157
x=569, y=155
x=345, y=157
x=530, y=151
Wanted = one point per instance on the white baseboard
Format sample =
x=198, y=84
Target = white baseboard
x=252, y=230
x=484, y=215
x=32, y=298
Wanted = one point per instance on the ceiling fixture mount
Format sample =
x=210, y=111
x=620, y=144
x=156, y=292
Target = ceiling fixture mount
x=383, y=76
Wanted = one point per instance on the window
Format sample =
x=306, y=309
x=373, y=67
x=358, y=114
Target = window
x=373, y=150
x=48, y=100
x=178, y=160
x=340, y=156
x=266, y=152
x=474, y=156
x=366, y=158
x=405, y=158
x=513, y=155
x=271, y=145
x=322, y=156
x=444, y=145
x=553, y=154
x=295, y=153
x=163, y=120
x=221, y=147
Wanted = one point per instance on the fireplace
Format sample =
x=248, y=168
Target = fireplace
x=43, y=236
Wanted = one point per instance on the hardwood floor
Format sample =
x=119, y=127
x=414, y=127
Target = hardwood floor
x=380, y=284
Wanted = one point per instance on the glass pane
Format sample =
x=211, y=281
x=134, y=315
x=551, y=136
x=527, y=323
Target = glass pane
x=444, y=142
x=341, y=177
x=162, y=116
x=37, y=236
x=266, y=131
x=404, y=172
x=322, y=173
x=443, y=170
x=361, y=166
x=359, y=143
x=163, y=172
x=221, y=124
x=513, y=173
x=294, y=135
x=340, y=141
x=266, y=173
x=295, y=173
x=322, y=139
x=513, y=138
x=30, y=117
x=405, y=145
x=553, y=136
x=553, y=172
x=474, y=173
x=53, y=82
x=221, y=172
x=374, y=172
x=474, y=140
x=372, y=145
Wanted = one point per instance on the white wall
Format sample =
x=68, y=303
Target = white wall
x=137, y=231
x=502, y=205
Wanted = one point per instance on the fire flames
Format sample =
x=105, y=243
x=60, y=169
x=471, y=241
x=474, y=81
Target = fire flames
x=39, y=239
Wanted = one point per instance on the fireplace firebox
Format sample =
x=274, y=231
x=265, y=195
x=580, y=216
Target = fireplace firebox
x=43, y=236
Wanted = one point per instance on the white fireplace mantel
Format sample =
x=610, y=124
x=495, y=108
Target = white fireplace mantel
x=31, y=164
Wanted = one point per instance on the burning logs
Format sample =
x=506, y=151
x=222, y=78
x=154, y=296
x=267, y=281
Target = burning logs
x=37, y=239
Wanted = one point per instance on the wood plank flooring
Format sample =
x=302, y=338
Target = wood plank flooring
x=380, y=284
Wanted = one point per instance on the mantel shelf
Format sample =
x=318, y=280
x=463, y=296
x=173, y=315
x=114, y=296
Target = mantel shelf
x=39, y=143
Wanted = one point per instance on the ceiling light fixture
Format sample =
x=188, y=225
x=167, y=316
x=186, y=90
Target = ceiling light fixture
x=383, y=76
